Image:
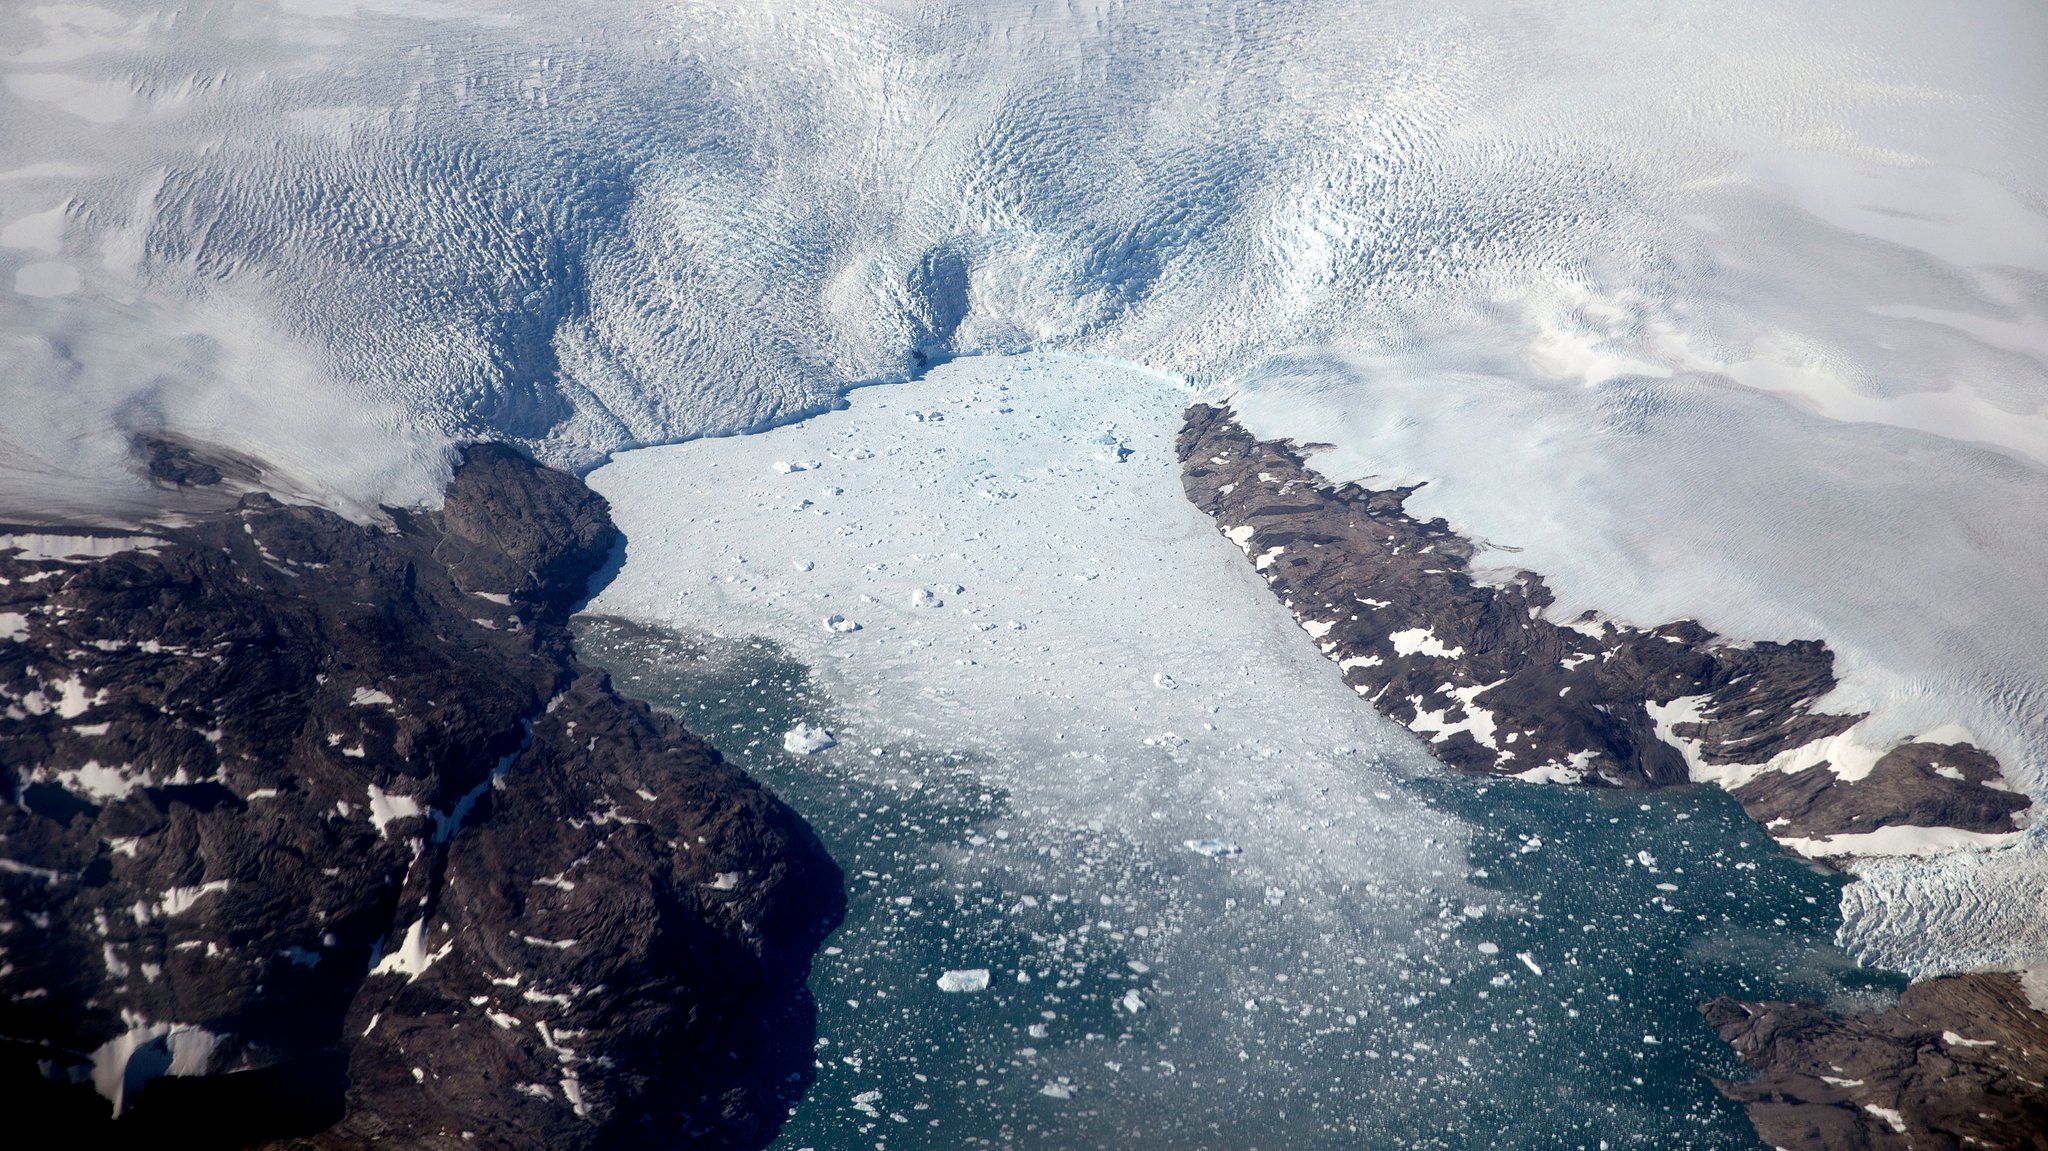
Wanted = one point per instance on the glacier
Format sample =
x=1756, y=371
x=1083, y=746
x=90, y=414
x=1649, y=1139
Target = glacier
x=338, y=233
x=1733, y=313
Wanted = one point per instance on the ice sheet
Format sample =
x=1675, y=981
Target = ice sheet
x=368, y=227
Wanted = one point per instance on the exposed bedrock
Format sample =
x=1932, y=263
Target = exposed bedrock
x=1480, y=671
x=321, y=834
x=1957, y=1063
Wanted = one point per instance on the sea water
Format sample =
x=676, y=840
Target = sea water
x=1545, y=995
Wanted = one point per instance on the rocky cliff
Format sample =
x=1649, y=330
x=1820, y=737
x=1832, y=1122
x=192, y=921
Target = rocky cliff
x=321, y=832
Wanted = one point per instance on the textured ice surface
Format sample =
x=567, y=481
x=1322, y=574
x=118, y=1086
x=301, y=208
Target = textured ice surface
x=333, y=233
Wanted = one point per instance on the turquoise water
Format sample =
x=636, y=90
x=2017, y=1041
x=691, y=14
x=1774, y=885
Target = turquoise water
x=1546, y=998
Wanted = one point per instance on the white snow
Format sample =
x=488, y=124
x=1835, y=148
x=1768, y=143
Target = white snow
x=1899, y=839
x=1955, y=1040
x=964, y=979
x=13, y=625
x=387, y=807
x=370, y=697
x=48, y=546
x=1889, y=1115
x=1422, y=641
x=411, y=957
x=1478, y=721
x=124, y=1064
x=179, y=900
x=102, y=783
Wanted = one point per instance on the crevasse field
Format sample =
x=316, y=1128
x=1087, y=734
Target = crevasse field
x=1732, y=311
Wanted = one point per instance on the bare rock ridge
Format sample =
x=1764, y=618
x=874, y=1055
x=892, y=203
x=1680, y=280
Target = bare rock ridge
x=1957, y=1063
x=322, y=835
x=1496, y=688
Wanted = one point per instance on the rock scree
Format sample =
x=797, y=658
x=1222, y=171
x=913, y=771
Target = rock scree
x=323, y=838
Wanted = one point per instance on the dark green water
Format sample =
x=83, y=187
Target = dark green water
x=1388, y=1018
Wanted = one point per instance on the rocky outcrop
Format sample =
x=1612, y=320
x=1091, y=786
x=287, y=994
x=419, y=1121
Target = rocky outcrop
x=1480, y=670
x=320, y=831
x=1960, y=1062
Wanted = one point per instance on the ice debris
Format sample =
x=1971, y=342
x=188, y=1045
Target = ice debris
x=803, y=739
x=968, y=979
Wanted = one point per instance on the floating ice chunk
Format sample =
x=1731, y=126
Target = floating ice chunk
x=840, y=625
x=965, y=979
x=803, y=739
x=1133, y=1002
x=1057, y=1091
x=1529, y=961
x=1214, y=848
